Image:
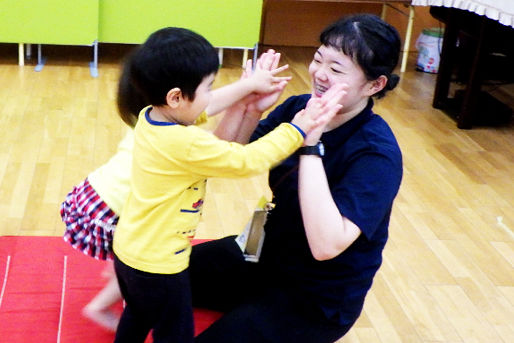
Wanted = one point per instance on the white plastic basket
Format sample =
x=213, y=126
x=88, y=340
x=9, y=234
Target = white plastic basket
x=429, y=44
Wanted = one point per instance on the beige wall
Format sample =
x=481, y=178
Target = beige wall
x=298, y=23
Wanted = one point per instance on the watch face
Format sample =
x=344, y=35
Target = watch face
x=321, y=148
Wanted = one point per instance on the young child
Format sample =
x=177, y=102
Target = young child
x=174, y=70
x=91, y=210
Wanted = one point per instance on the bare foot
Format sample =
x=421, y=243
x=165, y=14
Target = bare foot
x=108, y=271
x=106, y=318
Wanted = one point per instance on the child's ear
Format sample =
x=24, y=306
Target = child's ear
x=174, y=97
x=377, y=85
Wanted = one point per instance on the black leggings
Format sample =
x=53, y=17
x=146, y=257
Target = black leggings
x=256, y=311
x=161, y=302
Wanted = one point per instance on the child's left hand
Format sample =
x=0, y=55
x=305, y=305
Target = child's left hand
x=323, y=110
x=263, y=78
x=272, y=86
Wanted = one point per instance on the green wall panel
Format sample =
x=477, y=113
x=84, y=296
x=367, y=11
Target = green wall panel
x=225, y=23
x=49, y=21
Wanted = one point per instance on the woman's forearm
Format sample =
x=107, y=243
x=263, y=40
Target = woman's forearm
x=248, y=124
x=328, y=232
x=229, y=126
x=238, y=123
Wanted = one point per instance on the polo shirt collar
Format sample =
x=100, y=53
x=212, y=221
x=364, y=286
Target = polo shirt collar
x=342, y=133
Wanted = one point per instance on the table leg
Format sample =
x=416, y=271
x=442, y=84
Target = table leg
x=472, y=93
x=442, y=85
x=384, y=11
x=408, y=34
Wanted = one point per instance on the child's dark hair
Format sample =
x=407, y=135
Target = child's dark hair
x=129, y=100
x=371, y=42
x=170, y=57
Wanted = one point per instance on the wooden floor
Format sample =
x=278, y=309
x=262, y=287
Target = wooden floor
x=448, y=271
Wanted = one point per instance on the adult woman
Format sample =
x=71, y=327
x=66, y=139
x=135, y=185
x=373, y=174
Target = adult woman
x=324, y=239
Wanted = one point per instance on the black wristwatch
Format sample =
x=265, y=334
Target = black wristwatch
x=318, y=150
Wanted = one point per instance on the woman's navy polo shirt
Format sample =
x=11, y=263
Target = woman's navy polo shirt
x=363, y=164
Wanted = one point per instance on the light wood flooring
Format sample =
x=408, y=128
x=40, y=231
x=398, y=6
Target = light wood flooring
x=448, y=271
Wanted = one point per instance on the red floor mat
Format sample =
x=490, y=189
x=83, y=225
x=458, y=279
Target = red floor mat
x=44, y=283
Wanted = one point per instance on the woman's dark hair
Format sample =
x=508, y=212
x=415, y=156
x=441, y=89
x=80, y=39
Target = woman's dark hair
x=371, y=42
x=170, y=57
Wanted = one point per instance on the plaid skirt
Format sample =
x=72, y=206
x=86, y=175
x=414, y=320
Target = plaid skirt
x=90, y=223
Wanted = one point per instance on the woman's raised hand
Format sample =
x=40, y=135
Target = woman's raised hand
x=319, y=112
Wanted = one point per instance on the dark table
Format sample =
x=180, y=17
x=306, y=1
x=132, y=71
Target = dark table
x=486, y=36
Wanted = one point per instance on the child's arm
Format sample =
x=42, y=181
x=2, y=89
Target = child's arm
x=261, y=81
x=213, y=157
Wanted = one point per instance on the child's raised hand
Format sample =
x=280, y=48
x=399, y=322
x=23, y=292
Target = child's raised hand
x=268, y=60
x=319, y=112
x=263, y=78
x=257, y=89
x=265, y=81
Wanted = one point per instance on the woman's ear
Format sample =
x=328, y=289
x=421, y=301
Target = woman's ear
x=377, y=85
x=174, y=97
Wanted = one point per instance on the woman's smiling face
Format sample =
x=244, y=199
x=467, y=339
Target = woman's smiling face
x=330, y=66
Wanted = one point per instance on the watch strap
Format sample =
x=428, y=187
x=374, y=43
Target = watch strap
x=316, y=150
